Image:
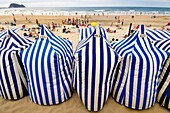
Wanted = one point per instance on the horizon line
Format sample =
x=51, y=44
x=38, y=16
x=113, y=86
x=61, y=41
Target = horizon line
x=95, y=6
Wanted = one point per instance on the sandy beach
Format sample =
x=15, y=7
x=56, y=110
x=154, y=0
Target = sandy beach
x=74, y=105
x=106, y=21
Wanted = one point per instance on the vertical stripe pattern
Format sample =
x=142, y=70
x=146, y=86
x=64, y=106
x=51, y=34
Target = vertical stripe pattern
x=94, y=67
x=136, y=84
x=48, y=65
x=13, y=84
x=85, y=33
x=164, y=86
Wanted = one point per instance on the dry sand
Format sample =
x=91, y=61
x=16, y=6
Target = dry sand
x=74, y=105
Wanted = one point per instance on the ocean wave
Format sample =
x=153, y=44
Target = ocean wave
x=99, y=10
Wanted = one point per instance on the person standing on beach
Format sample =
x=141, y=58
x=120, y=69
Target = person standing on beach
x=122, y=22
x=37, y=21
x=14, y=19
x=49, y=26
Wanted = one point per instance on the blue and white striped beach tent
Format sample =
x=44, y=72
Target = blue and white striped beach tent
x=13, y=83
x=48, y=68
x=94, y=66
x=86, y=32
x=163, y=96
x=2, y=35
x=164, y=86
x=4, y=32
x=163, y=44
x=155, y=35
x=136, y=84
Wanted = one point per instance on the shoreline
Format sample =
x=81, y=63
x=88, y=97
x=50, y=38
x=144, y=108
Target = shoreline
x=67, y=11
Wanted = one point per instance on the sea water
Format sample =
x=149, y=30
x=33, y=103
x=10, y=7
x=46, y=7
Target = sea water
x=87, y=11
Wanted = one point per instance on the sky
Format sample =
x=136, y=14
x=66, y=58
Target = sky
x=87, y=3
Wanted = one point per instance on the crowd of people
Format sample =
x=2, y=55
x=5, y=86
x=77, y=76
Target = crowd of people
x=76, y=21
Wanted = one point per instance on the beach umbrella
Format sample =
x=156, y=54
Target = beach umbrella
x=13, y=83
x=48, y=68
x=135, y=85
x=94, y=66
x=164, y=86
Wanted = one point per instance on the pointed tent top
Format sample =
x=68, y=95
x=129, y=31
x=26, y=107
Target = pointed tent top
x=142, y=32
x=15, y=39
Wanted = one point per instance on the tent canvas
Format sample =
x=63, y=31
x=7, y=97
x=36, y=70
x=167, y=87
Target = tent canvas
x=94, y=67
x=12, y=75
x=48, y=68
x=136, y=84
x=164, y=86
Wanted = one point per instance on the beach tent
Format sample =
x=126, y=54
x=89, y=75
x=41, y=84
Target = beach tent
x=164, y=86
x=126, y=45
x=94, y=67
x=155, y=35
x=135, y=85
x=86, y=32
x=163, y=44
x=4, y=32
x=48, y=68
x=13, y=83
x=163, y=96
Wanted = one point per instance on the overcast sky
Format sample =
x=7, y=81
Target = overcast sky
x=77, y=3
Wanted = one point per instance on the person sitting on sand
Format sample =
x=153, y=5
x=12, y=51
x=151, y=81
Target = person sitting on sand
x=64, y=29
x=25, y=35
x=2, y=29
x=137, y=27
x=168, y=24
x=110, y=31
x=149, y=25
x=68, y=30
x=77, y=26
